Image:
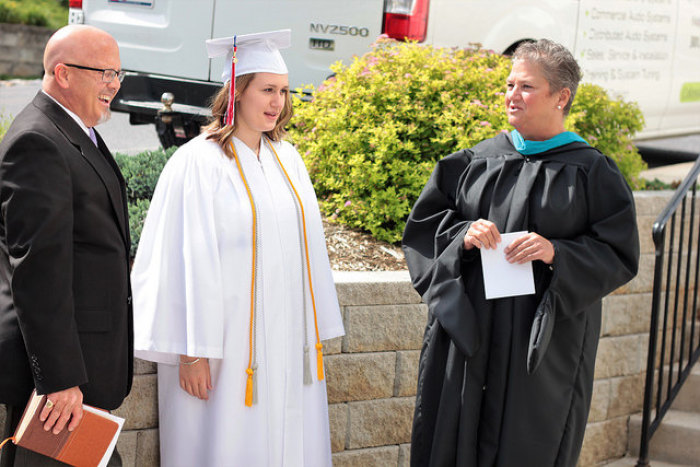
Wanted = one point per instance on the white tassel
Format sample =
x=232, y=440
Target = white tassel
x=308, y=379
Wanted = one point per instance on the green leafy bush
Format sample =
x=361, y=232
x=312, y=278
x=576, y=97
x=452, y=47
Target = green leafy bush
x=609, y=125
x=372, y=134
x=52, y=14
x=141, y=172
x=137, y=216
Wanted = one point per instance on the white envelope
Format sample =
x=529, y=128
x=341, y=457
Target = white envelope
x=501, y=278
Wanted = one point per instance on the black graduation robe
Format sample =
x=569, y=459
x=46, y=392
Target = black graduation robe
x=508, y=382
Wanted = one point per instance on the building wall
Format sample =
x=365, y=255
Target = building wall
x=371, y=371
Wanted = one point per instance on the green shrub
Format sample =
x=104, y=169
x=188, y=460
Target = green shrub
x=141, y=172
x=137, y=216
x=609, y=125
x=52, y=14
x=372, y=134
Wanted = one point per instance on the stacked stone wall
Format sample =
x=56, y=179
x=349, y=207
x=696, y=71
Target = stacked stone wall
x=22, y=50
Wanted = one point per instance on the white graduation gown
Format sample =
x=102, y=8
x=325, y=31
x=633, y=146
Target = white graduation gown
x=191, y=285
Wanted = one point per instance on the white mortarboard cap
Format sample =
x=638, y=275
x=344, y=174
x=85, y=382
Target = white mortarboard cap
x=255, y=53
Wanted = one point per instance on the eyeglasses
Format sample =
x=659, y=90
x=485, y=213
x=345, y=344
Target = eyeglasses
x=108, y=74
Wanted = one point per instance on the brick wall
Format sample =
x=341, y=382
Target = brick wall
x=22, y=50
x=371, y=371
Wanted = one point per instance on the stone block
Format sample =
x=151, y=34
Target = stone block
x=651, y=203
x=127, y=446
x=644, y=280
x=148, y=453
x=626, y=314
x=380, y=422
x=644, y=225
x=689, y=396
x=600, y=401
x=384, y=327
x=27, y=70
x=353, y=377
x=604, y=441
x=332, y=346
x=338, y=417
x=9, y=54
x=28, y=56
x=618, y=356
x=375, y=457
x=406, y=372
x=140, y=408
x=23, y=47
x=143, y=367
x=374, y=288
x=404, y=455
x=626, y=395
x=10, y=38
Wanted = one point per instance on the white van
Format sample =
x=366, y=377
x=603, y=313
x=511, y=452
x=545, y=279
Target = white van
x=647, y=51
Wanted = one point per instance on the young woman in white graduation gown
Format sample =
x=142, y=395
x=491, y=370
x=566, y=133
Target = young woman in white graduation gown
x=233, y=290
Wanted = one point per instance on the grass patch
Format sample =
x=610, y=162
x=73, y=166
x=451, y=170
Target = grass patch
x=51, y=14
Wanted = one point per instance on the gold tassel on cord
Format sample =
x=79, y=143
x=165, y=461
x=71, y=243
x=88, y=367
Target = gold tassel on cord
x=249, y=388
x=319, y=360
x=307, y=367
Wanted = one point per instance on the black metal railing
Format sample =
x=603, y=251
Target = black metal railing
x=675, y=321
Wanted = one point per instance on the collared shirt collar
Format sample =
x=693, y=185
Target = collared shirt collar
x=72, y=114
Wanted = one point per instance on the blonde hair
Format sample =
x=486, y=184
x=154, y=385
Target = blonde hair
x=222, y=133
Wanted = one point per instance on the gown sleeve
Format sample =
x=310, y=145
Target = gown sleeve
x=176, y=277
x=330, y=322
x=433, y=244
x=590, y=266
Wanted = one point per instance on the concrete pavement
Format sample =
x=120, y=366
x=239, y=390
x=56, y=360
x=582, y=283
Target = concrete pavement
x=670, y=174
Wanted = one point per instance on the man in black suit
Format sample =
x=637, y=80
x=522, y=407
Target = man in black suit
x=65, y=300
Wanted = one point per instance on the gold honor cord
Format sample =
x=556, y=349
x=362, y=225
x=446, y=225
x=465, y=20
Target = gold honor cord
x=319, y=346
x=250, y=371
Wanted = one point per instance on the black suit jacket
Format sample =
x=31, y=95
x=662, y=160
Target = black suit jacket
x=65, y=299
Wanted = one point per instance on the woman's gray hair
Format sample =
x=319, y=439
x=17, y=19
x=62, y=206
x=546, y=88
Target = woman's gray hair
x=557, y=64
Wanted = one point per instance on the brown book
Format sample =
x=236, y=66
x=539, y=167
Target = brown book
x=90, y=445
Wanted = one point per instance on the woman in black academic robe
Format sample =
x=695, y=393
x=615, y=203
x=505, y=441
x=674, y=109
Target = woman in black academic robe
x=508, y=381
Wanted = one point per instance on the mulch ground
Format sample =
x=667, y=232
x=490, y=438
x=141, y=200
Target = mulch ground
x=352, y=250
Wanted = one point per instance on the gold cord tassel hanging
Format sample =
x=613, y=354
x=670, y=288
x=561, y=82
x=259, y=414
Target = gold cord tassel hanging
x=319, y=360
x=249, y=387
x=250, y=390
x=251, y=393
x=319, y=346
